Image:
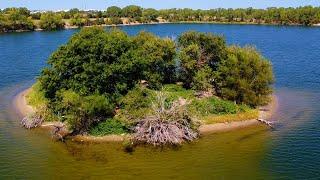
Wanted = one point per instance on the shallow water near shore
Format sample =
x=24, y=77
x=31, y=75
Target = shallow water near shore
x=291, y=151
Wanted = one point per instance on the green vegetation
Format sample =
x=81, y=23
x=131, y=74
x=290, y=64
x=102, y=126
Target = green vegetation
x=12, y=19
x=105, y=82
x=110, y=126
x=244, y=76
x=51, y=21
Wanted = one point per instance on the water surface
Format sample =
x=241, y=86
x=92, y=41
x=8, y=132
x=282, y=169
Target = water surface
x=291, y=151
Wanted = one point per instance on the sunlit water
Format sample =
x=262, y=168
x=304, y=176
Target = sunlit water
x=291, y=151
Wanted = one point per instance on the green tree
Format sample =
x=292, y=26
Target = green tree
x=114, y=11
x=132, y=11
x=245, y=76
x=150, y=14
x=200, y=51
x=51, y=21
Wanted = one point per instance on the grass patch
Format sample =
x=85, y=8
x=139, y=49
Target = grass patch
x=35, y=97
x=242, y=116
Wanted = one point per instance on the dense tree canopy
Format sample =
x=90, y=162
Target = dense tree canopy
x=114, y=11
x=51, y=21
x=245, y=76
x=95, y=61
x=199, y=53
x=132, y=11
x=12, y=19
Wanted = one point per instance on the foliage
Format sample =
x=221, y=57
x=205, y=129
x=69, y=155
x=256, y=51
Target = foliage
x=12, y=19
x=79, y=20
x=36, y=97
x=199, y=55
x=51, y=21
x=214, y=105
x=245, y=76
x=113, y=20
x=81, y=112
x=98, y=75
x=132, y=11
x=114, y=11
x=149, y=15
x=110, y=126
x=95, y=61
x=203, y=79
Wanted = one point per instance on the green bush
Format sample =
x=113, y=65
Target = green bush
x=245, y=77
x=81, y=112
x=213, y=105
x=110, y=126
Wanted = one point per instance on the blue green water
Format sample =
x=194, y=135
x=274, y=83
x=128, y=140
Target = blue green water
x=291, y=151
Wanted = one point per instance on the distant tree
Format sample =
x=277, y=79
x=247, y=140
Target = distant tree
x=113, y=20
x=74, y=11
x=51, y=21
x=150, y=14
x=36, y=15
x=16, y=19
x=132, y=11
x=245, y=76
x=114, y=11
x=79, y=20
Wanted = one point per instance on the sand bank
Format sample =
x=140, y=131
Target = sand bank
x=265, y=112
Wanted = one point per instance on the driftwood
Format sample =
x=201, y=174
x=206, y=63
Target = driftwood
x=166, y=125
x=268, y=123
x=31, y=121
x=59, y=131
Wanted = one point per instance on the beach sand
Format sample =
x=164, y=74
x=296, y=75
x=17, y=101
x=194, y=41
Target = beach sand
x=265, y=112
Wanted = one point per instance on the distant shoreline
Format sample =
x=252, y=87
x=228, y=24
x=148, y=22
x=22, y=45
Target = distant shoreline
x=23, y=109
x=166, y=22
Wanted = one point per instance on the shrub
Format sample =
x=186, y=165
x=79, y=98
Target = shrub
x=245, y=77
x=215, y=106
x=82, y=112
x=110, y=126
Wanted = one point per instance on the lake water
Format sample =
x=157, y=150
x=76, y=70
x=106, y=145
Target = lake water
x=291, y=151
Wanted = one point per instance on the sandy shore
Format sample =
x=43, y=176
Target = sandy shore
x=265, y=112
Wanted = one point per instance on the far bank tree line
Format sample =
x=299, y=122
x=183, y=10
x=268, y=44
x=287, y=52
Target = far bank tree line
x=12, y=19
x=87, y=77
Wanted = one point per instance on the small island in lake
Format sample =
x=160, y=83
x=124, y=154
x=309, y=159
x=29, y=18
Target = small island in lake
x=152, y=90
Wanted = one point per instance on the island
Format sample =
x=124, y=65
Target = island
x=148, y=89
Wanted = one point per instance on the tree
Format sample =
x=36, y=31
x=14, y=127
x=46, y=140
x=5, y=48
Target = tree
x=150, y=14
x=212, y=47
x=245, y=76
x=51, y=21
x=200, y=52
x=79, y=20
x=132, y=11
x=95, y=61
x=114, y=11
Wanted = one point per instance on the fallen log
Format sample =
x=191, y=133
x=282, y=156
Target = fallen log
x=268, y=123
